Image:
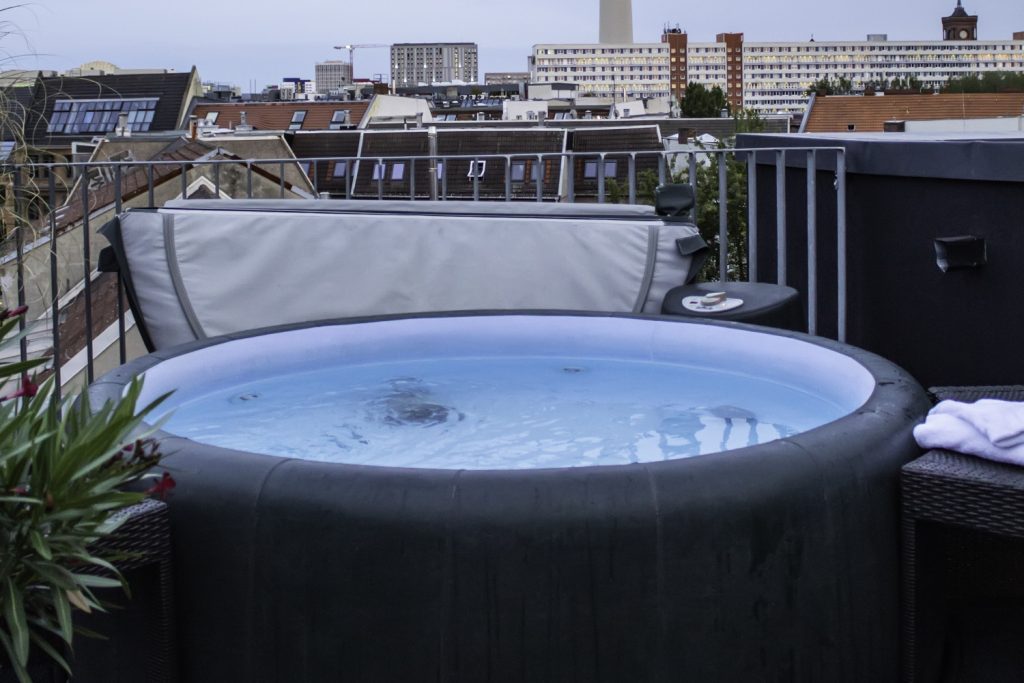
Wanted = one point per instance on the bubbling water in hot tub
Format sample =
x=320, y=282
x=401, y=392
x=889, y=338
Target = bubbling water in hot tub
x=499, y=413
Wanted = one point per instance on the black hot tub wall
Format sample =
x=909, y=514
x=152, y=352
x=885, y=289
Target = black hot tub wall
x=958, y=327
x=777, y=562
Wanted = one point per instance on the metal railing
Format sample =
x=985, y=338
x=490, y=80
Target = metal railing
x=42, y=244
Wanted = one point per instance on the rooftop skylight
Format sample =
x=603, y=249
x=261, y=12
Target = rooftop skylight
x=71, y=117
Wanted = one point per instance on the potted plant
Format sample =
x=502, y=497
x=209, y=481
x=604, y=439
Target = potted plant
x=64, y=469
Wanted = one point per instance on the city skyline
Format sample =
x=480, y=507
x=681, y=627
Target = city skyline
x=231, y=45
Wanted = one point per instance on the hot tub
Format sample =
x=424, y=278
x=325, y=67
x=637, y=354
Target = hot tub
x=418, y=545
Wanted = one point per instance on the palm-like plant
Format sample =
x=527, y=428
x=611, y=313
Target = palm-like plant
x=64, y=468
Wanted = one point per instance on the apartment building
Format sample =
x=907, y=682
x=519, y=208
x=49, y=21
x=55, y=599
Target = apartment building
x=331, y=76
x=428, y=63
x=772, y=76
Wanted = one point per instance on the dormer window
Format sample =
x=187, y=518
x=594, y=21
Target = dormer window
x=340, y=169
x=339, y=119
x=611, y=167
x=297, y=119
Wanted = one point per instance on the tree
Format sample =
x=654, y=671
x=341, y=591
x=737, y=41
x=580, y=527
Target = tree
x=701, y=103
x=748, y=121
x=826, y=86
x=990, y=81
x=707, y=210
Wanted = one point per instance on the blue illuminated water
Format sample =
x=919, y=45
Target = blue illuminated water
x=498, y=412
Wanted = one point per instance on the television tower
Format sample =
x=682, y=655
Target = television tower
x=616, y=22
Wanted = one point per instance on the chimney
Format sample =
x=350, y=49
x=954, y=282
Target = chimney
x=193, y=127
x=122, y=130
x=243, y=124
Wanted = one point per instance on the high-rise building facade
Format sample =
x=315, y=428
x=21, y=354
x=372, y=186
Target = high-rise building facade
x=772, y=76
x=428, y=63
x=332, y=76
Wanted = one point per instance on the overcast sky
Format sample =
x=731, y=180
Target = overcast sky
x=240, y=43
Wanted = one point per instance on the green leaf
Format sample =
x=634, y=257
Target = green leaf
x=14, y=613
x=62, y=607
x=39, y=544
x=96, y=581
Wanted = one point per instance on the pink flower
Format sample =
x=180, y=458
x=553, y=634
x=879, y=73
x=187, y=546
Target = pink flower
x=28, y=389
x=13, y=312
x=160, y=489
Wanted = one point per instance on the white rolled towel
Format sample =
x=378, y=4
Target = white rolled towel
x=1002, y=422
x=989, y=429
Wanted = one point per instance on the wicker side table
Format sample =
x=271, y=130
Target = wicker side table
x=143, y=543
x=963, y=537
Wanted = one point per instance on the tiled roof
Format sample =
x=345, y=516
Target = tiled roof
x=278, y=115
x=325, y=144
x=610, y=139
x=457, y=181
x=835, y=114
x=135, y=178
x=134, y=181
x=14, y=104
x=171, y=89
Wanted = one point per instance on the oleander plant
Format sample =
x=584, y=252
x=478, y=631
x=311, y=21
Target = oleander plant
x=65, y=469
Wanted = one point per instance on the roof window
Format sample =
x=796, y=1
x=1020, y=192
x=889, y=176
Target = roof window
x=297, y=119
x=74, y=117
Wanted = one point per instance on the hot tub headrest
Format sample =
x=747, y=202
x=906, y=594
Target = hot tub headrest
x=203, y=268
x=674, y=200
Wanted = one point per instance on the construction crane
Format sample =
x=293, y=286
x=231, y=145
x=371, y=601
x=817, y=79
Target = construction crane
x=351, y=52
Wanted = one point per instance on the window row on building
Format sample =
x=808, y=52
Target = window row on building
x=751, y=73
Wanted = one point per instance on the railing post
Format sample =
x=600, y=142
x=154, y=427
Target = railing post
x=412, y=180
x=280, y=178
x=381, y=170
x=691, y=170
x=21, y=224
x=508, y=178
x=122, y=349
x=841, y=241
x=752, y=216
x=444, y=179
x=570, y=177
x=54, y=288
x=812, y=244
x=723, y=217
x=149, y=183
x=600, y=179
x=632, y=177
x=316, y=181
x=780, y=217
x=248, y=179
x=184, y=183
x=87, y=277
x=539, y=179
x=475, y=166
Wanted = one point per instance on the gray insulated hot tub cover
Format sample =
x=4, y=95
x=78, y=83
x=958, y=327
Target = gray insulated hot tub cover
x=204, y=268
